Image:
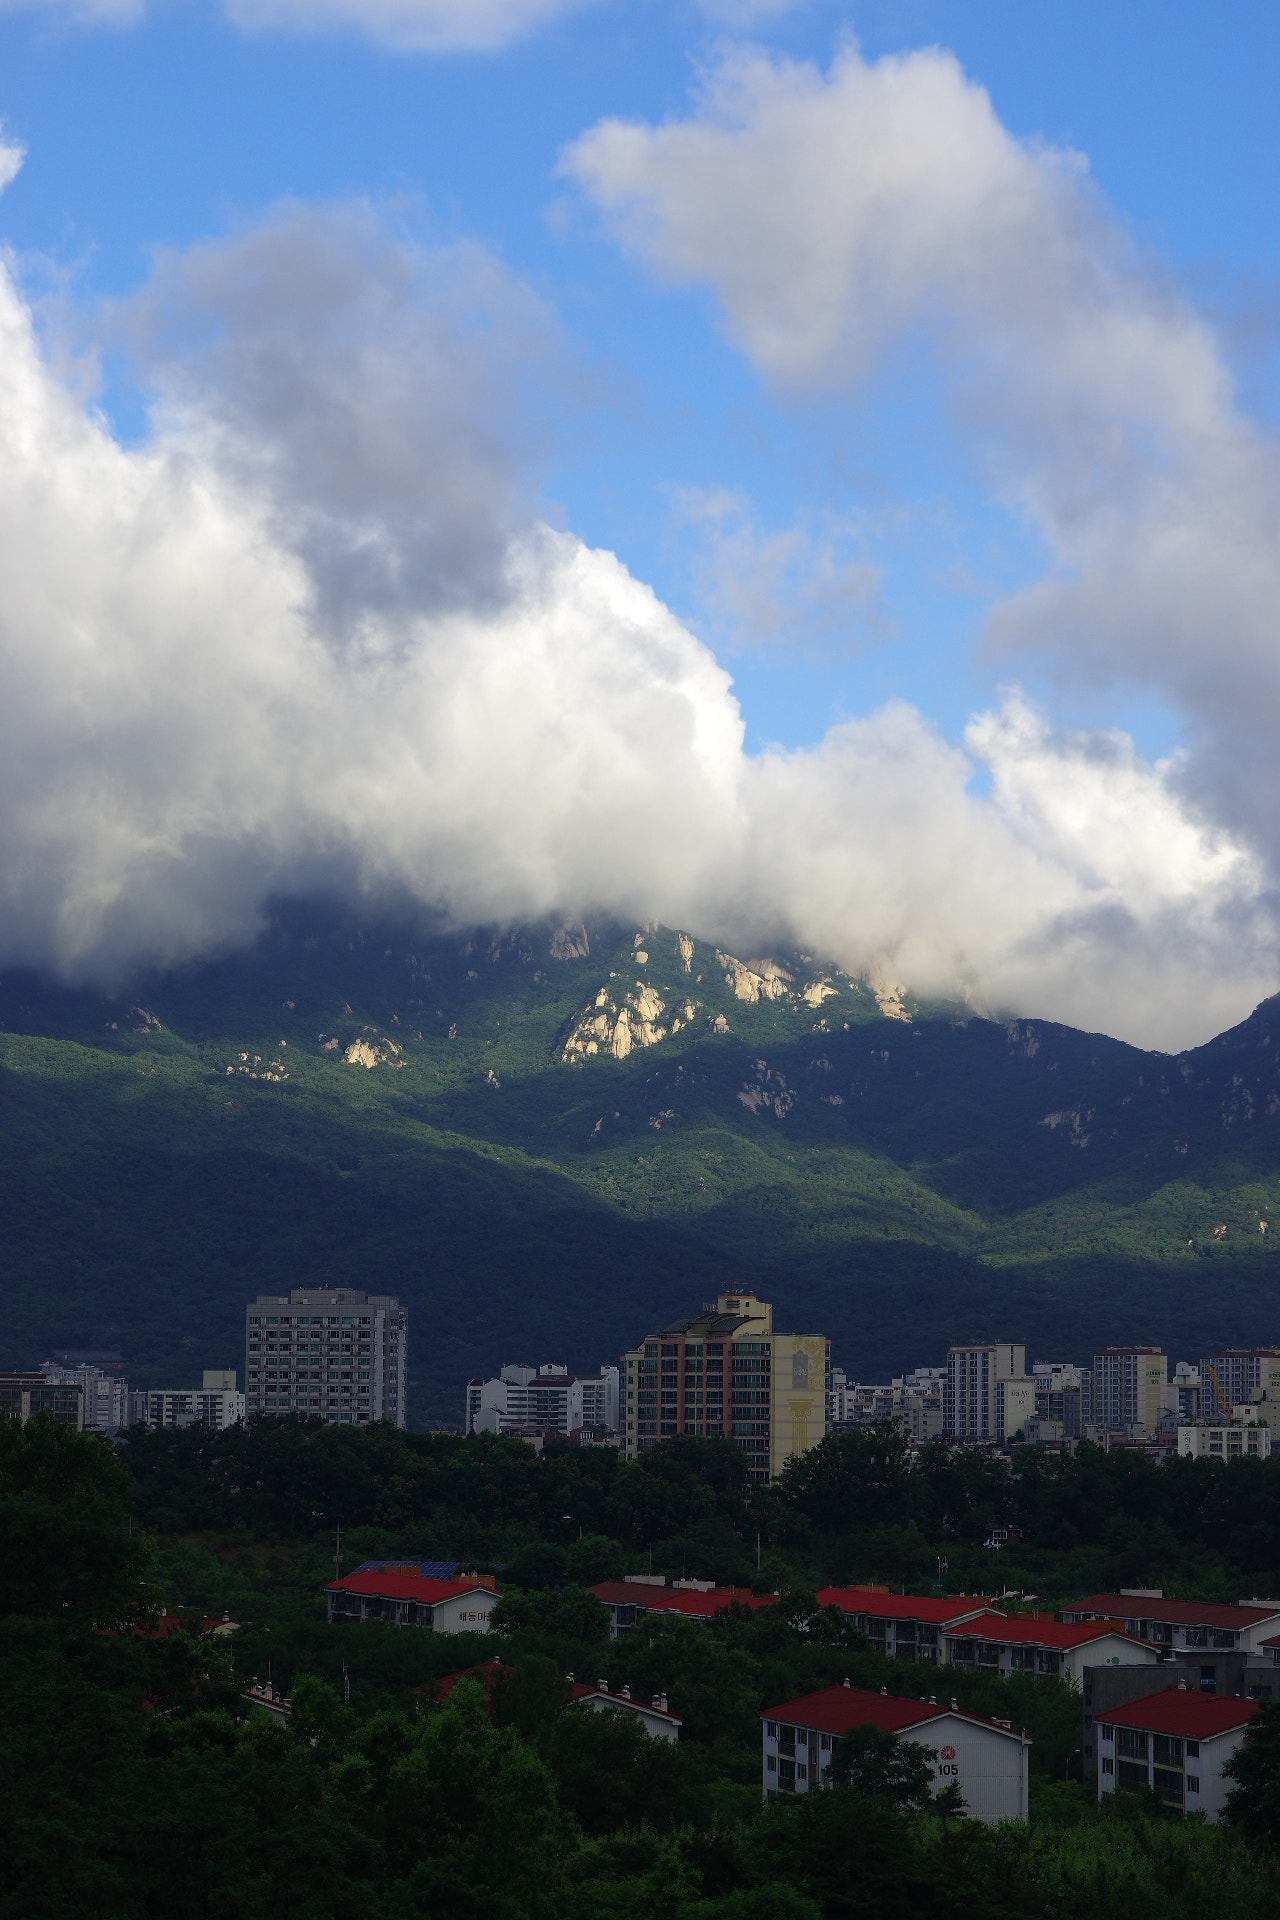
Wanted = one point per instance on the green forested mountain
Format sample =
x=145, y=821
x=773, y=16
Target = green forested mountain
x=894, y=1172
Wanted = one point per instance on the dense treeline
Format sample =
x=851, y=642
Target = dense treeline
x=140, y=1782
x=858, y=1506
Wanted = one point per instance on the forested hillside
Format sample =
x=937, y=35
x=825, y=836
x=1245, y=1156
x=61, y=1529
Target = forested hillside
x=367, y=1104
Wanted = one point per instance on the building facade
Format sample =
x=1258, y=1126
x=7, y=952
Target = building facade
x=988, y=1760
x=1227, y=1440
x=1233, y=1379
x=22, y=1394
x=1175, y=1745
x=727, y=1373
x=551, y=1398
x=106, y=1397
x=335, y=1353
x=216, y=1404
x=1129, y=1390
x=402, y=1596
x=987, y=1396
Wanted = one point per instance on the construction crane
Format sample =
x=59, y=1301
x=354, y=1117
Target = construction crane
x=1217, y=1387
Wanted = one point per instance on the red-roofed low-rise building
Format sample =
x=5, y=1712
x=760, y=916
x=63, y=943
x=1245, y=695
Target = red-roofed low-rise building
x=1175, y=1742
x=1017, y=1643
x=1183, y=1627
x=630, y=1599
x=654, y=1715
x=904, y=1626
x=989, y=1760
x=404, y=1597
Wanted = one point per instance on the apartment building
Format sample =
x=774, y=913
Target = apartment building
x=995, y=1643
x=106, y=1397
x=547, y=1397
x=727, y=1373
x=989, y=1760
x=1226, y=1440
x=1173, y=1744
x=1129, y=1390
x=335, y=1353
x=987, y=1395
x=905, y=1626
x=1183, y=1629
x=1233, y=1379
x=22, y=1394
x=215, y=1404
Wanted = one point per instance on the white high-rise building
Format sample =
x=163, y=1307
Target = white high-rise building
x=987, y=1395
x=334, y=1353
x=106, y=1398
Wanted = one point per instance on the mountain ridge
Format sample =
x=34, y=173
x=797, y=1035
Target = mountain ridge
x=896, y=1172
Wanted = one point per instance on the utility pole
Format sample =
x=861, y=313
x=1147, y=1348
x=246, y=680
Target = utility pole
x=337, y=1551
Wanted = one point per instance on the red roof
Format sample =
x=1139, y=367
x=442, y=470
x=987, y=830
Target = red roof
x=1196, y=1716
x=389, y=1585
x=836, y=1709
x=683, y=1600
x=1021, y=1630
x=486, y=1671
x=935, y=1610
x=1178, y=1613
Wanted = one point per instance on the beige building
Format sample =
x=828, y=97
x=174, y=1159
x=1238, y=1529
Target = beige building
x=727, y=1373
x=1129, y=1390
x=1229, y=1380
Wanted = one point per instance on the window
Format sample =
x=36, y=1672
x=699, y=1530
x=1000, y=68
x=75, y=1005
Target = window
x=1193, y=1785
x=771, y=1764
x=1108, y=1766
x=1133, y=1775
x=1107, y=1733
x=1133, y=1743
x=825, y=1743
x=771, y=1728
x=802, y=1772
x=1193, y=1749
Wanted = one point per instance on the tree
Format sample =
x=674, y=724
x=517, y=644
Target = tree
x=65, y=1547
x=881, y=1766
x=1253, y=1805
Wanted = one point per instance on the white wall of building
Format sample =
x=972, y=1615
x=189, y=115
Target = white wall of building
x=990, y=1766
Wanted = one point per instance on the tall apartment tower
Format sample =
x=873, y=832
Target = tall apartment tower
x=728, y=1373
x=986, y=1395
x=1240, y=1377
x=331, y=1352
x=1129, y=1389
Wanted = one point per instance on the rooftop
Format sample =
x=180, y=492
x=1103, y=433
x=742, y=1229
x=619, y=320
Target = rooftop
x=579, y=1690
x=662, y=1599
x=879, y=1605
x=1023, y=1631
x=401, y=1583
x=837, y=1709
x=1178, y=1613
x=1194, y=1715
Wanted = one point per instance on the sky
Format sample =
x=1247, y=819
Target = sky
x=806, y=473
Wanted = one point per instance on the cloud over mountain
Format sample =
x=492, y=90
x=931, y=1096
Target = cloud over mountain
x=311, y=632
x=836, y=214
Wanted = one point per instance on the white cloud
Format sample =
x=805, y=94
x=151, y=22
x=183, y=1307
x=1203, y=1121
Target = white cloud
x=311, y=633
x=807, y=584
x=835, y=213
x=411, y=26
x=419, y=26
x=11, y=157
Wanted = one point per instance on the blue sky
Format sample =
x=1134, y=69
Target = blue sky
x=181, y=127
x=919, y=522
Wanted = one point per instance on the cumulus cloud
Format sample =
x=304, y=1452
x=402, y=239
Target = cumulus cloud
x=411, y=26
x=311, y=633
x=834, y=214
